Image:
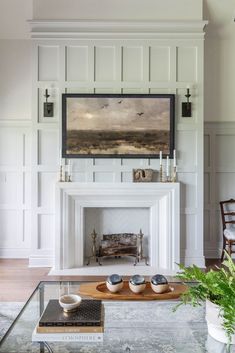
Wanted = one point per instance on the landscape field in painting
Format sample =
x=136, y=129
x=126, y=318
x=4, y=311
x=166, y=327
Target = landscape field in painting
x=115, y=142
x=117, y=125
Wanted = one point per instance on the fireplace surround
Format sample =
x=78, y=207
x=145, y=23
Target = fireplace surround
x=162, y=199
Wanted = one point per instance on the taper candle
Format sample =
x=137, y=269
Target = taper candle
x=167, y=166
x=160, y=155
x=174, y=156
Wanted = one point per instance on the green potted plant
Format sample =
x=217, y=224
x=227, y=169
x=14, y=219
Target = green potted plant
x=217, y=289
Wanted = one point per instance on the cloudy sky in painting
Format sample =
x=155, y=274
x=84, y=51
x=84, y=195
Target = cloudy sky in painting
x=121, y=114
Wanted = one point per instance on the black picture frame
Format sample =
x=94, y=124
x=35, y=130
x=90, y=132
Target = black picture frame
x=147, y=102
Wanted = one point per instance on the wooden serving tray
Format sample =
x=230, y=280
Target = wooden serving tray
x=99, y=290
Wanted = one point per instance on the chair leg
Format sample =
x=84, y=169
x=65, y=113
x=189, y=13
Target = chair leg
x=230, y=247
x=224, y=247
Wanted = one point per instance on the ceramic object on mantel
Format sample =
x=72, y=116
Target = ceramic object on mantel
x=137, y=284
x=114, y=283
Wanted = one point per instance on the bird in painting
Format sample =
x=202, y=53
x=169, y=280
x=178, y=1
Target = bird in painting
x=105, y=106
x=140, y=114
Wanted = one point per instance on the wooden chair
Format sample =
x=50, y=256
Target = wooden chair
x=228, y=220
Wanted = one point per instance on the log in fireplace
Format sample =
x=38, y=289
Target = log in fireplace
x=118, y=245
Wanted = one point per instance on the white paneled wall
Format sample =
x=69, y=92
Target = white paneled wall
x=219, y=181
x=15, y=185
x=167, y=63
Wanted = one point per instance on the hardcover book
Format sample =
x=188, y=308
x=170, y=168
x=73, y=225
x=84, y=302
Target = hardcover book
x=70, y=329
x=67, y=337
x=89, y=313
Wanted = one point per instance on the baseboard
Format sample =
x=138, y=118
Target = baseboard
x=41, y=261
x=14, y=253
x=198, y=261
x=212, y=253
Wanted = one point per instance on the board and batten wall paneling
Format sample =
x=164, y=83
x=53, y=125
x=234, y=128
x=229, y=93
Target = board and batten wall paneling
x=219, y=177
x=15, y=189
x=105, y=63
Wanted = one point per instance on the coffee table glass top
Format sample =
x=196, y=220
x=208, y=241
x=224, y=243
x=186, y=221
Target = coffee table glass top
x=130, y=326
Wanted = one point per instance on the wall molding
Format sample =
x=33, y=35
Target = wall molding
x=219, y=174
x=62, y=29
x=199, y=260
x=41, y=261
x=14, y=253
x=15, y=123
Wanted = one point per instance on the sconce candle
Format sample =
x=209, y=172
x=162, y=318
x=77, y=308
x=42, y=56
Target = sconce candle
x=187, y=106
x=48, y=107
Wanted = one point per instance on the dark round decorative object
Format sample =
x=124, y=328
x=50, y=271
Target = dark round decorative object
x=136, y=280
x=158, y=279
x=114, y=279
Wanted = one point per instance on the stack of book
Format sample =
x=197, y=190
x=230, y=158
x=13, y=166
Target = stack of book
x=83, y=325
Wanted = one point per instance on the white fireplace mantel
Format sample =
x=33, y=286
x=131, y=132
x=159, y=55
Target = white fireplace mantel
x=162, y=199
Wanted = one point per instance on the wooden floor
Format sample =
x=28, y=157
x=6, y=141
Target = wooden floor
x=17, y=280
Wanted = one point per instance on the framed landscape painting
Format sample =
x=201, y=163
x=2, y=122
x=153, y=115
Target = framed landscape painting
x=117, y=125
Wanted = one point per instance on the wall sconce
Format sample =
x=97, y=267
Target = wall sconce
x=187, y=106
x=48, y=110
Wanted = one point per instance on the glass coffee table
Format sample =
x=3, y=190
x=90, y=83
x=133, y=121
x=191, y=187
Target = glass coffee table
x=130, y=327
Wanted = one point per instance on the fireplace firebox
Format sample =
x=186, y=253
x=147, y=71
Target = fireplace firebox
x=118, y=245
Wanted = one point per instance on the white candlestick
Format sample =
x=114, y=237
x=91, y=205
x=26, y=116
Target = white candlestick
x=160, y=155
x=174, y=155
x=167, y=166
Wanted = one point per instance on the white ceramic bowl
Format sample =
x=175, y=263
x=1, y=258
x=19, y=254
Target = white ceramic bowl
x=137, y=288
x=114, y=288
x=70, y=302
x=160, y=288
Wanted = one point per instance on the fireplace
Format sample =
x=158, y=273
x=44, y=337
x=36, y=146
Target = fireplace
x=161, y=200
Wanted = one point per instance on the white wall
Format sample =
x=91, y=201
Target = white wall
x=219, y=61
x=13, y=18
x=220, y=118
x=15, y=131
x=118, y=9
x=219, y=180
x=16, y=85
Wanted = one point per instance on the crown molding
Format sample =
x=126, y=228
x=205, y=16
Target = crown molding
x=85, y=29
